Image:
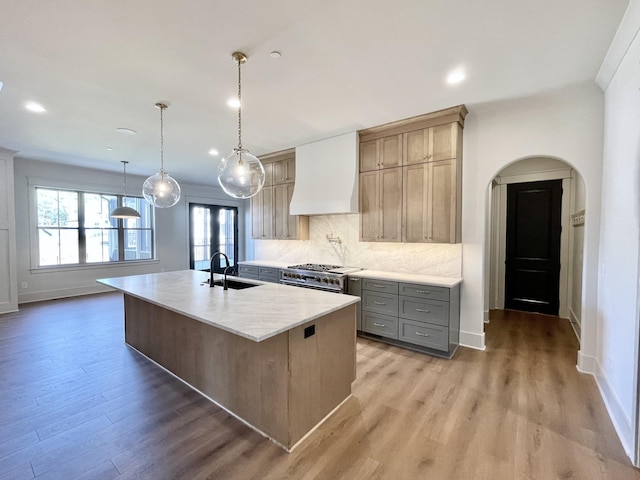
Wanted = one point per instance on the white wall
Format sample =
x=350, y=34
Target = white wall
x=172, y=229
x=567, y=127
x=617, y=355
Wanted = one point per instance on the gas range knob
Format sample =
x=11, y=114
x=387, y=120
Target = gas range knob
x=325, y=280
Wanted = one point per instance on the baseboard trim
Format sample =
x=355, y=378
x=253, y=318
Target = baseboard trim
x=62, y=293
x=575, y=324
x=621, y=422
x=586, y=363
x=472, y=340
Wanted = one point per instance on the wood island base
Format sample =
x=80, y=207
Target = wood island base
x=283, y=386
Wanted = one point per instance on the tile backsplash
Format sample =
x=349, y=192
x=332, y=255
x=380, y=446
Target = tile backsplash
x=418, y=258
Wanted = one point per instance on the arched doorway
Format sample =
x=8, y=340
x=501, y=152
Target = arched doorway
x=539, y=169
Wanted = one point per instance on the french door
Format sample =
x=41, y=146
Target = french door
x=212, y=228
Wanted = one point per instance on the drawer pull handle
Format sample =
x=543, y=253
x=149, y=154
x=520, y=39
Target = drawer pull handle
x=379, y=324
x=379, y=303
x=354, y=279
x=422, y=334
x=422, y=310
x=376, y=285
x=423, y=291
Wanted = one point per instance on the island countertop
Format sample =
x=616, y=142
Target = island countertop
x=255, y=313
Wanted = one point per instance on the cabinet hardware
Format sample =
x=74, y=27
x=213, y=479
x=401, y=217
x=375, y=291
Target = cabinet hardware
x=378, y=286
x=354, y=279
x=379, y=324
x=422, y=334
x=422, y=310
x=423, y=291
x=379, y=303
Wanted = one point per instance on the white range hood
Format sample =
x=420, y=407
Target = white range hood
x=326, y=177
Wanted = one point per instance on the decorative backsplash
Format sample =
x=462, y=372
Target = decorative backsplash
x=425, y=259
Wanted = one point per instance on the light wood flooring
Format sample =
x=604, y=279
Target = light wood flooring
x=76, y=403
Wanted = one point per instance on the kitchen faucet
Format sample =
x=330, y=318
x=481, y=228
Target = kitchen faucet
x=224, y=283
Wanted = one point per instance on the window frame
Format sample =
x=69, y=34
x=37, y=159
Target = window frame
x=59, y=185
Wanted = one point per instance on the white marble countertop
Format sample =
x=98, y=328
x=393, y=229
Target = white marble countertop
x=409, y=278
x=255, y=313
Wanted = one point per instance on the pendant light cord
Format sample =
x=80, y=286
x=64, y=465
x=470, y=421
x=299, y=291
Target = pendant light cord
x=125, y=180
x=161, y=142
x=239, y=106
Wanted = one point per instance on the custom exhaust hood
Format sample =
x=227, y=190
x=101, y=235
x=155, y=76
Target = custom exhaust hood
x=326, y=177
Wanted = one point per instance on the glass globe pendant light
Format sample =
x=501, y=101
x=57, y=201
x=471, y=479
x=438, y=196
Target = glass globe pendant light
x=124, y=211
x=160, y=190
x=240, y=174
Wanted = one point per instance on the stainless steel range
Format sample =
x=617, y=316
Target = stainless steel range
x=322, y=277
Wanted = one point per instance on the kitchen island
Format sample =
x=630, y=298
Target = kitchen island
x=279, y=358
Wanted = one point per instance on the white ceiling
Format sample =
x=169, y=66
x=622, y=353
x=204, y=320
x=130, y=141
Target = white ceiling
x=345, y=65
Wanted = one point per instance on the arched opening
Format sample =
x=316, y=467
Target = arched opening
x=530, y=171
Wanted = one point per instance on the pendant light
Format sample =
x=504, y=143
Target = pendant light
x=124, y=211
x=240, y=174
x=160, y=190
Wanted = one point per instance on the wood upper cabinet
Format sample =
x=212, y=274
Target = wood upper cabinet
x=262, y=214
x=284, y=170
x=381, y=153
x=427, y=190
x=431, y=144
x=287, y=227
x=270, y=217
x=381, y=205
x=431, y=202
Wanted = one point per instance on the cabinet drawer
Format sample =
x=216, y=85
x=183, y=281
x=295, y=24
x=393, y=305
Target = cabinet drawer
x=385, y=303
x=424, y=291
x=425, y=334
x=380, y=286
x=248, y=271
x=269, y=274
x=431, y=311
x=383, y=325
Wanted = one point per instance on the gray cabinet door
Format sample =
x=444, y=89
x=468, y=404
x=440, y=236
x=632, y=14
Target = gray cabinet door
x=382, y=286
x=424, y=291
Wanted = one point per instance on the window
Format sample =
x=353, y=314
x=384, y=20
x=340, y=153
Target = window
x=74, y=228
x=212, y=229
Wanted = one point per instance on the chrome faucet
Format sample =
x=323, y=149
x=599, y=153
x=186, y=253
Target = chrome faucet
x=224, y=283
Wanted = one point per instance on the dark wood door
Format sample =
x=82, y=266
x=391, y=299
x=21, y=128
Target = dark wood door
x=532, y=280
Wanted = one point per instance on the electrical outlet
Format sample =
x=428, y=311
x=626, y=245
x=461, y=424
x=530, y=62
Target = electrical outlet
x=24, y=285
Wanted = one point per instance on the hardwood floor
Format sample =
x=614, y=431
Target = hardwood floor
x=76, y=403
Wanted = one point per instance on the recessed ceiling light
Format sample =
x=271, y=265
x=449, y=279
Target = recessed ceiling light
x=233, y=103
x=455, y=77
x=109, y=148
x=35, y=107
x=213, y=152
x=126, y=131
x=275, y=54
x=0, y=86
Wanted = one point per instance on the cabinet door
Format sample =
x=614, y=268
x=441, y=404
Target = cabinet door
x=369, y=155
x=284, y=171
x=416, y=147
x=262, y=214
x=369, y=206
x=442, y=191
x=444, y=141
x=390, y=151
x=390, y=205
x=268, y=173
x=415, y=196
x=280, y=212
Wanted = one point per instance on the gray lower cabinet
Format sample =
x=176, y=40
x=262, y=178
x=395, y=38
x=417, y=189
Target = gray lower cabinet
x=255, y=272
x=417, y=316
